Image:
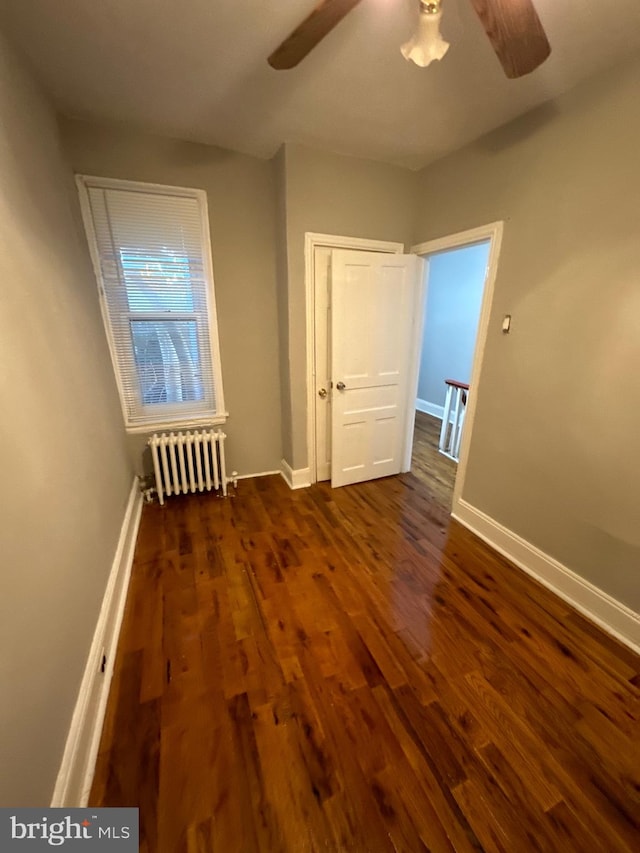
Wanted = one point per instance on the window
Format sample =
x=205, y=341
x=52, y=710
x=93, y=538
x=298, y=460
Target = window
x=150, y=248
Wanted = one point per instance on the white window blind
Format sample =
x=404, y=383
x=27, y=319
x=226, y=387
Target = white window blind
x=151, y=251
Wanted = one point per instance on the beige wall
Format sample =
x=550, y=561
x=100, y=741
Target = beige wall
x=242, y=212
x=280, y=174
x=553, y=454
x=65, y=474
x=554, y=450
x=259, y=214
x=333, y=194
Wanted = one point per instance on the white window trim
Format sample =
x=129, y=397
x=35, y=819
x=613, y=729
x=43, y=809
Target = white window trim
x=83, y=183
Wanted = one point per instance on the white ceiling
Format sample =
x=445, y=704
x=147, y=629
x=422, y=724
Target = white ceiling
x=196, y=69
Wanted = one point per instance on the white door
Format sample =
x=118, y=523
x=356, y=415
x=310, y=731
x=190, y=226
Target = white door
x=374, y=300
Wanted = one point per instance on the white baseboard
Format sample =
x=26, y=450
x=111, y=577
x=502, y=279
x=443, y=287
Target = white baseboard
x=295, y=479
x=430, y=408
x=260, y=474
x=75, y=776
x=433, y=409
x=612, y=616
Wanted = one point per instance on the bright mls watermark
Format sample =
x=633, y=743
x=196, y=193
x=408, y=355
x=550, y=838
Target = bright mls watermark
x=69, y=829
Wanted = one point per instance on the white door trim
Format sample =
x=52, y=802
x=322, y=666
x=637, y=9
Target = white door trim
x=331, y=241
x=493, y=232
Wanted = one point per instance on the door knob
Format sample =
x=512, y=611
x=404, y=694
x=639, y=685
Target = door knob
x=341, y=386
x=322, y=393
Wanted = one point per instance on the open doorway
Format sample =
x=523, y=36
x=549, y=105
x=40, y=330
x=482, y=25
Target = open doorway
x=458, y=281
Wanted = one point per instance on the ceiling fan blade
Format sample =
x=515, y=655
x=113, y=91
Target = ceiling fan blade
x=311, y=31
x=515, y=31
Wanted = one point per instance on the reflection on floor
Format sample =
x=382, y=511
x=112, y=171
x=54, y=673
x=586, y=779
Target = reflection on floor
x=434, y=470
x=338, y=670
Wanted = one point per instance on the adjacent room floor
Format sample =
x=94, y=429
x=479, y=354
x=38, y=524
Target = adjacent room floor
x=349, y=670
x=436, y=472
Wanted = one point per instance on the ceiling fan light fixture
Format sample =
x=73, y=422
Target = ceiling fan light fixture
x=426, y=44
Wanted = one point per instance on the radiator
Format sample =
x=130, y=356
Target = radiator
x=188, y=462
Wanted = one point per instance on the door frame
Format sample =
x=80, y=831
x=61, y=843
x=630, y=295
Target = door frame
x=330, y=241
x=492, y=232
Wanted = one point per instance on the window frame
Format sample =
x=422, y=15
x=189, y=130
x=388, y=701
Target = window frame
x=84, y=182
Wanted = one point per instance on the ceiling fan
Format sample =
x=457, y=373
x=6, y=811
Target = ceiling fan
x=513, y=28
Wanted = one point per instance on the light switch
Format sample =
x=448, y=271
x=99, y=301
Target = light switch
x=506, y=323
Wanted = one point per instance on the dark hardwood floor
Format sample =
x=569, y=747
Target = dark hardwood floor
x=436, y=472
x=348, y=670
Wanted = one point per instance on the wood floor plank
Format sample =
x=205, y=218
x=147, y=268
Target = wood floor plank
x=351, y=670
x=437, y=794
